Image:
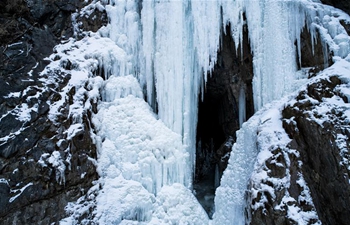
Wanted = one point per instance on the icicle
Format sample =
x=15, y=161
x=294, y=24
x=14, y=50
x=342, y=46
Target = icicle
x=217, y=176
x=325, y=54
x=242, y=106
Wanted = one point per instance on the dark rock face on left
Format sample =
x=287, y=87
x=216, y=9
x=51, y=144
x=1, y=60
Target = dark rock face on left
x=42, y=165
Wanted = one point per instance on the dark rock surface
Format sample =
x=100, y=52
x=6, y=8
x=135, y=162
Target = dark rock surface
x=218, y=116
x=341, y=4
x=34, y=188
x=317, y=156
x=318, y=153
x=313, y=56
x=218, y=113
x=269, y=202
x=321, y=152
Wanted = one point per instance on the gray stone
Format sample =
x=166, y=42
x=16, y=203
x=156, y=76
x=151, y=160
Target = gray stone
x=326, y=177
x=31, y=29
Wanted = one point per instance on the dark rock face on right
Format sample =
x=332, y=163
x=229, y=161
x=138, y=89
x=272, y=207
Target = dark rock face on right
x=324, y=149
x=308, y=178
x=341, y=4
x=318, y=152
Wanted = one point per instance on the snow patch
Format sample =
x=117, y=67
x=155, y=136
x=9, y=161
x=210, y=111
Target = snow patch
x=20, y=192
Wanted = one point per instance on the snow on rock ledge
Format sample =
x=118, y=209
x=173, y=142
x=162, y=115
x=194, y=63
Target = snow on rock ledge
x=318, y=124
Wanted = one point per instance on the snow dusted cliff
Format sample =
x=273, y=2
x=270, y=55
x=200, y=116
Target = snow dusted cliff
x=140, y=78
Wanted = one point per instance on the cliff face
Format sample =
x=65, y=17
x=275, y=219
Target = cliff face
x=314, y=165
x=323, y=147
x=311, y=173
x=43, y=166
x=41, y=170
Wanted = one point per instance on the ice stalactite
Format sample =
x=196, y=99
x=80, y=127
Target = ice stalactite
x=272, y=36
x=242, y=106
x=124, y=29
x=178, y=48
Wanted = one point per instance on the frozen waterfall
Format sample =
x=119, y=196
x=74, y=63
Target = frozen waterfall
x=171, y=45
x=162, y=51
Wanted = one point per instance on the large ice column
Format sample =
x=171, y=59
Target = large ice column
x=124, y=28
x=179, y=48
x=230, y=195
x=163, y=41
x=273, y=49
x=242, y=106
x=137, y=154
x=163, y=37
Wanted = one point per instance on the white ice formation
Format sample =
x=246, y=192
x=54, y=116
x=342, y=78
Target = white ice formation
x=162, y=51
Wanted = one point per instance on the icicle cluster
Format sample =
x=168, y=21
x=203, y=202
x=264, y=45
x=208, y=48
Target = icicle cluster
x=172, y=45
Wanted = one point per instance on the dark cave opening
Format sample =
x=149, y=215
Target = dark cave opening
x=218, y=115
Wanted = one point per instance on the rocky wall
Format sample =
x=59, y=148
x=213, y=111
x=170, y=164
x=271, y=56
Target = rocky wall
x=41, y=170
